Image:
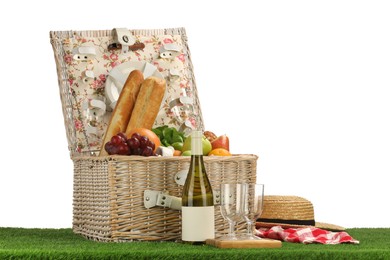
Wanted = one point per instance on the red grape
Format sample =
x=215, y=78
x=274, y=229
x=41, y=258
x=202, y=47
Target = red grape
x=136, y=151
x=136, y=135
x=123, y=135
x=116, y=140
x=151, y=144
x=115, y=150
x=123, y=149
x=148, y=151
x=133, y=143
x=108, y=147
x=111, y=148
x=143, y=141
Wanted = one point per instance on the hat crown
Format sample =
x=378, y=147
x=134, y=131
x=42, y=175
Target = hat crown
x=287, y=208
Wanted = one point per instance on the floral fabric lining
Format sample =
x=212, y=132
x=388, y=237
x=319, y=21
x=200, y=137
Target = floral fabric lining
x=179, y=84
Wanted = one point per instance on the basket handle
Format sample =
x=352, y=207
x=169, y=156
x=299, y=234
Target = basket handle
x=158, y=198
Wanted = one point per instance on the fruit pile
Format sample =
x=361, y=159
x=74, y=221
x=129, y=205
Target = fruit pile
x=219, y=145
x=212, y=145
x=164, y=141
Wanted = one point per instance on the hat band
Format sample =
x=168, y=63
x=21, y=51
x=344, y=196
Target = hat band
x=309, y=222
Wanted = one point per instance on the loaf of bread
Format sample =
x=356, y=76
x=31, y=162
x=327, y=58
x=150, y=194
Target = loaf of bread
x=148, y=104
x=124, y=107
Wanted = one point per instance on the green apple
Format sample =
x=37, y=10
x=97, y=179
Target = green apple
x=186, y=153
x=205, y=144
x=178, y=145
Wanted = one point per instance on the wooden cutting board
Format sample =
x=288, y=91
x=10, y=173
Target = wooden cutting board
x=262, y=243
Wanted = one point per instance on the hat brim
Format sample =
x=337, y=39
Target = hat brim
x=321, y=225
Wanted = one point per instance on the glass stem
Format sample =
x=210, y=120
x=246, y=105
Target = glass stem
x=232, y=225
x=249, y=229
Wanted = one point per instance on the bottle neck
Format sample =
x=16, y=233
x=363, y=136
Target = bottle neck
x=196, y=145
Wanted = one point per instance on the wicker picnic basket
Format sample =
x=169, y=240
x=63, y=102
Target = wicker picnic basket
x=109, y=191
x=109, y=194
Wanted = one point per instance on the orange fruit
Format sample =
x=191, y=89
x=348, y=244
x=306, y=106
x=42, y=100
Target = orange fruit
x=176, y=153
x=146, y=132
x=219, y=152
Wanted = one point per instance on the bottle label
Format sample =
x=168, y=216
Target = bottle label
x=197, y=223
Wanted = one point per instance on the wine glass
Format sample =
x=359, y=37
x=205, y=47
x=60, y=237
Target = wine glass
x=231, y=206
x=253, y=207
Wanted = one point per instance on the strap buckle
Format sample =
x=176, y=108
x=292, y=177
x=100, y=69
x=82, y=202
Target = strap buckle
x=124, y=40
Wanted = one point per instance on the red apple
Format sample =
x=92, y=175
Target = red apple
x=221, y=142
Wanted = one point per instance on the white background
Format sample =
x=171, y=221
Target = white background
x=302, y=84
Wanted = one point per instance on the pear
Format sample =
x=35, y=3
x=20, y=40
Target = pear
x=221, y=142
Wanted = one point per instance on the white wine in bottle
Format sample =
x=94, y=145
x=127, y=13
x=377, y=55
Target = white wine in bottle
x=197, y=199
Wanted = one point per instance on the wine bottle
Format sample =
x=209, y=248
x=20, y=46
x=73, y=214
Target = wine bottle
x=197, y=199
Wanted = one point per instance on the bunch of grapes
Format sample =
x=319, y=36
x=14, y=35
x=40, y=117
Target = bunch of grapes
x=135, y=145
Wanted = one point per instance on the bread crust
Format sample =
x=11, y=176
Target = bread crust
x=124, y=107
x=148, y=103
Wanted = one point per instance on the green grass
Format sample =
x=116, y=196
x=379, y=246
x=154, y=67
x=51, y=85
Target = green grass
x=18, y=243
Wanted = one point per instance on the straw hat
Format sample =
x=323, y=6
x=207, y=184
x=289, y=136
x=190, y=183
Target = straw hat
x=290, y=212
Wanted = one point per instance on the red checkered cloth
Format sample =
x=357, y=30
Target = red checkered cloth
x=306, y=235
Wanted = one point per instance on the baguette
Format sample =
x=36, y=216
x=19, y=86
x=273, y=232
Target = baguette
x=121, y=115
x=148, y=104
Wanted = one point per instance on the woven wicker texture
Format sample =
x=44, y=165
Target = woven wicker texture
x=108, y=194
x=287, y=207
